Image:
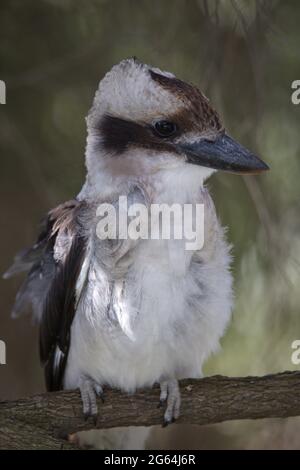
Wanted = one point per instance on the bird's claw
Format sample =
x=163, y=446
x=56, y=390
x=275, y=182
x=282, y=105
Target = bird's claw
x=89, y=391
x=170, y=393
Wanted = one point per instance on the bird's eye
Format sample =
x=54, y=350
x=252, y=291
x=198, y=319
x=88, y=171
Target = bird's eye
x=165, y=128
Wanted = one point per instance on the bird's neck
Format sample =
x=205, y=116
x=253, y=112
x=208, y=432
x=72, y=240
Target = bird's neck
x=170, y=184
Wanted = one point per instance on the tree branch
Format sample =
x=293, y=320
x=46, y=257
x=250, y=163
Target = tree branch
x=44, y=421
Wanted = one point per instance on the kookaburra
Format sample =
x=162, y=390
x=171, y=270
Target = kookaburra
x=131, y=313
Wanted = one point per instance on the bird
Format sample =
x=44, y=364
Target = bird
x=131, y=313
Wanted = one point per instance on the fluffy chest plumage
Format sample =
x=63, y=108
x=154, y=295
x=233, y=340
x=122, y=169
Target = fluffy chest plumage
x=155, y=314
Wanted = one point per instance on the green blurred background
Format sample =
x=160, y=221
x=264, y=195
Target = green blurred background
x=244, y=55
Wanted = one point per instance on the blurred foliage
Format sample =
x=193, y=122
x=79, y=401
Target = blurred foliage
x=244, y=55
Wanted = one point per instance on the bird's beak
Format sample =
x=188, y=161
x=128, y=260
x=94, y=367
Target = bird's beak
x=225, y=154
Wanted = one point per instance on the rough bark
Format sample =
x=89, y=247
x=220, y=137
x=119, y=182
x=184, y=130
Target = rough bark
x=44, y=421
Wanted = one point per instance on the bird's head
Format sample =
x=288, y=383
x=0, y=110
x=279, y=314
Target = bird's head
x=144, y=120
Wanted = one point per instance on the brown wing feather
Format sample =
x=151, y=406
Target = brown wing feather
x=60, y=304
x=59, y=311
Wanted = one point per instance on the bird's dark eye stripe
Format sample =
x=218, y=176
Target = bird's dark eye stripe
x=165, y=128
x=117, y=135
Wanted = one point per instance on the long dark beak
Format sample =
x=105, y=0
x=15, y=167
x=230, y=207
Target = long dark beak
x=223, y=154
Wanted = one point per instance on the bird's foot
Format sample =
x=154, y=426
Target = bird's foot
x=170, y=393
x=89, y=390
